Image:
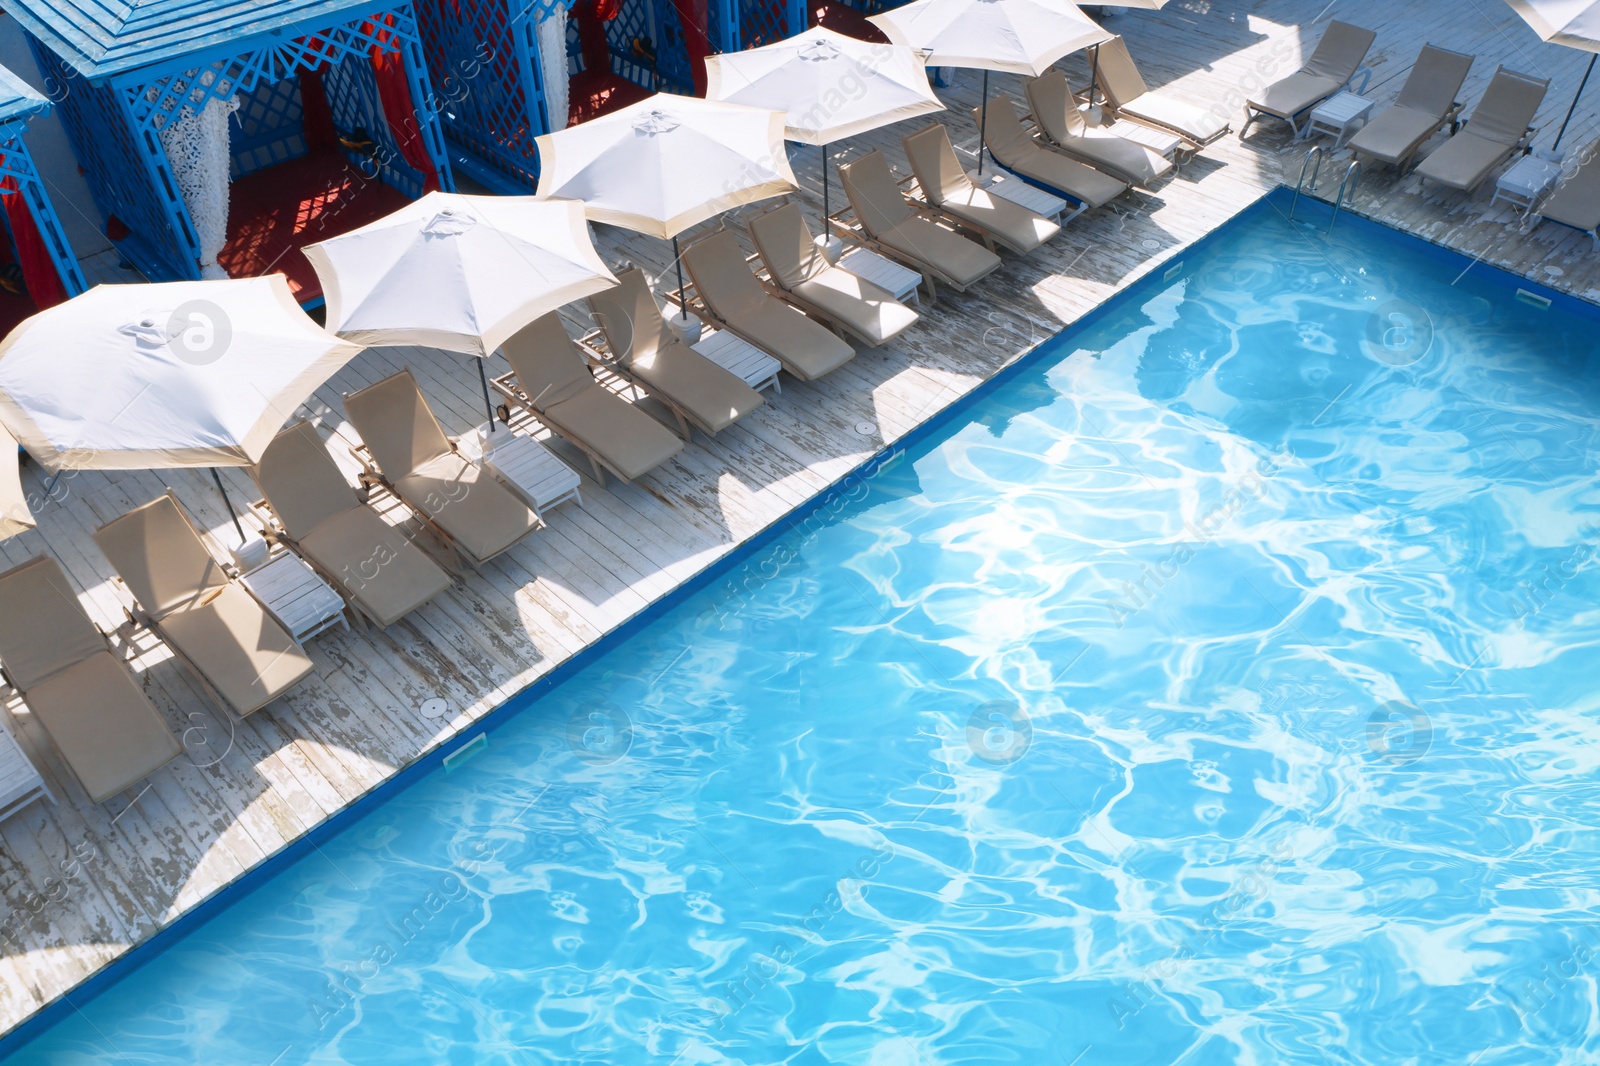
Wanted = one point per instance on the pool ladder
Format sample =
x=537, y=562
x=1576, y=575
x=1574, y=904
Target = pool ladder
x=1347, y=184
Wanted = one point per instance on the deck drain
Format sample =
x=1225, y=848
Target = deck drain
x=1554, y=272
x=867, y=429
x=434, y=708
x=1149, y=245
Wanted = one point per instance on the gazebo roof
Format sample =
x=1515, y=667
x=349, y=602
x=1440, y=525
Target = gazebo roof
x=18, y=100
x=101, y=38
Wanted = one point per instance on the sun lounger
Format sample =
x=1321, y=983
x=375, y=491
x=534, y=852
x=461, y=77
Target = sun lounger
x=1055, y=109
x=1335, y=61
x=1025, y=157
x=892, y=226
x=948, y=189
x=797, y=266
x=1426, y=103
x=315, y=511
x=182, y=594
x=645, y=353
x=736, y=300
x=1129, y=98
x=551, y=380
x=1576, y=201
x=406, y=450
x=106, y=728
x=1501, y=125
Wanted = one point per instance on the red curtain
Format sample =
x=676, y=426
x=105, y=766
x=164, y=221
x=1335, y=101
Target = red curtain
x=394, y=93
x=592, y=15
x=695, y=20
x=38, y=269
x=317, y=118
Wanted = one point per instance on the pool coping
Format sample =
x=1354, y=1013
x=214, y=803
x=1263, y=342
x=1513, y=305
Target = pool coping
x=1162, y=274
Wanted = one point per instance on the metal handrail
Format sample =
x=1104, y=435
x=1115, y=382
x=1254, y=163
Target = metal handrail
x=1315, y=154
x=1352, y=178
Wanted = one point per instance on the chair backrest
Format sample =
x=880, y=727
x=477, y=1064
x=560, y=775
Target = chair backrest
x=1054, y=106
x=723, y=278
x=1340, y=52
x=302, y=484
x=873, y=193
x=1508, y=105
x=547, y=364
x=397, y=425
x=42, y=626
x=629, y=317
x=160, y=556
x=934, y=163
x=1119, y=79
x=1434, y=81
x=1008, y=142
x=786, y=246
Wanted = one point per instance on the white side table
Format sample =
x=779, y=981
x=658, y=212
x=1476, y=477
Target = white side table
x=1526, y=181
x=531, y=470
x=1156, y=140
x=20, y=783
x=868, y=265
x=1341, y=114
x=293, y=593
x=1022, y=194
x=742, y=359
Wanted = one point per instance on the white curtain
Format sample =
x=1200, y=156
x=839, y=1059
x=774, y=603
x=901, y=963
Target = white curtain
x=552, y=31
x=197, y=148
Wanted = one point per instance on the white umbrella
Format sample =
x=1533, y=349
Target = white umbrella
x=1573, y=23
x=1012, y=36
x=461, y=273
x=15, y=515
x=829, y=86
x=181, y=374
x=667, y=163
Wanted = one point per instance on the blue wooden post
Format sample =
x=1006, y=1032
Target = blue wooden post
x=799, y=17
x=727, y=22
x=18, y=104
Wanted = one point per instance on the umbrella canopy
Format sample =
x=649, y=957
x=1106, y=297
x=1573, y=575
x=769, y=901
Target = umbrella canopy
x=1573, y=23
x=667, y=162
x=15, y=515
x=828, y=86
x=187, y=373
x=461, y=273
x=1014, y=36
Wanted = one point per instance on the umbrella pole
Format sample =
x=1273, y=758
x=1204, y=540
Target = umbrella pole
x=983, y=123
x=1094, y=72
x=677, y=261
x=1588, y=71
x=488, y=405
x=229, y=505
x=825, y=233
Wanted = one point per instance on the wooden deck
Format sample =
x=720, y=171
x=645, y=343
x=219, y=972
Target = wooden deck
x=80, y=882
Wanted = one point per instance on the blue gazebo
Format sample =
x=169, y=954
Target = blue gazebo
x=41, y=269
x=331, y=123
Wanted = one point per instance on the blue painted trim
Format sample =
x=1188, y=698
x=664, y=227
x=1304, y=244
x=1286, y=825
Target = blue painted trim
x=1276, y=201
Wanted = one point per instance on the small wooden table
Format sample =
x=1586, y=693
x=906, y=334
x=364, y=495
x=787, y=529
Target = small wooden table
x=1341, y=114
x=1156, y=140
x=885, y=273
x=1528, y=179
x=293, y=593
x=1032, y=197
x=740, y=358
x=20, y=783
x=531, y=470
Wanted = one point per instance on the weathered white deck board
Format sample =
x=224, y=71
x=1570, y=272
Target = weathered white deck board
x=79, y=883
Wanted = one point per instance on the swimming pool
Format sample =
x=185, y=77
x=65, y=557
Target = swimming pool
x=1216, y=686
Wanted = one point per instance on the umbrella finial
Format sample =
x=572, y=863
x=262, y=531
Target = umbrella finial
x=818, y=51
x=655, y=121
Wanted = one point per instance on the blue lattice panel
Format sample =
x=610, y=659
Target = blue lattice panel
x=672, y=53
x=765, y=21
x=352, y=90
x=268, y=127
x=631, y=38
x=17, y=163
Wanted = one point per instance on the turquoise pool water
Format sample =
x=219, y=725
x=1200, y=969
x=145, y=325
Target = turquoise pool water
x=1221, y=687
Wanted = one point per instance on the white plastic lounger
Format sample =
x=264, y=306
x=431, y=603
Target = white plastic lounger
x=1055, y=110
x=1501, y=125
x=1576, y=201
x=1335, y=62
x=1128, y=97
x=1426, y=103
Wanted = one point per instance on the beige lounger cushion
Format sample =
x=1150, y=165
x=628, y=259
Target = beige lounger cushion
x=553, y=373
x=476, y=512
x=1576, y=201
x=1126, y=90
x=1056, y=110
x=1426, y=101
x=1294, y=94
x=105, y=727
x=1394, y=135
x=798, y=266
x=886, y=216
x=947, y=187
x=1498, y=124
x=639, y=341
x=373, y=563
x=1333, y=63
x=228, y=636
x=807, y=349
x=1463, y=161
x=1013, y=149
